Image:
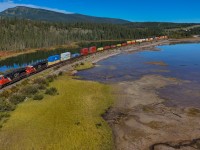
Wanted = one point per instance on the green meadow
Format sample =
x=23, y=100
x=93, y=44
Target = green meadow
x=70, y=120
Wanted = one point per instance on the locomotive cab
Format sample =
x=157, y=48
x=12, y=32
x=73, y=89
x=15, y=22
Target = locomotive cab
x=30, y=70
x=4, y=81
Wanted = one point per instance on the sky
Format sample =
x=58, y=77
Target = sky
x=132, y=10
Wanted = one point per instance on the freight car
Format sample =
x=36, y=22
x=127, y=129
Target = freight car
x=106, y=47
x=133, y=42
x=92, y=49
x=65, y=56
x=75, y=55
x=84, y=51
x=129, y=42
x=119, y=45
x=100, y=49
x=53, y=60
x=113, y=46
x=124, y=44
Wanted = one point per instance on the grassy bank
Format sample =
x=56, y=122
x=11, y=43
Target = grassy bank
x=84, y=66
x=69, y=120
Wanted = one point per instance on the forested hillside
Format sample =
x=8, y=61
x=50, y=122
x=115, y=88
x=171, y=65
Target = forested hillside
x=51, y=16
x=17, y=34
x=160, y=25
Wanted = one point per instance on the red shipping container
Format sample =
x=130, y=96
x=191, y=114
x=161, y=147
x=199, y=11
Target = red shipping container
x=92, y=49
x=133, y=42
x=106, y=47
x=84, y=51
x=113, y=46
x=124, y=44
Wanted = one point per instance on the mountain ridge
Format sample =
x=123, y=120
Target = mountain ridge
x=39, y=14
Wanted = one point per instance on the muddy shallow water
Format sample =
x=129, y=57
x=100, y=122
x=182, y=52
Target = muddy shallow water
x=147, y=83
x=181, y=61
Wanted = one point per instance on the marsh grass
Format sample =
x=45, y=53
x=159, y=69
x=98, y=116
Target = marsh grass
x=84, y=66
x=70, y=120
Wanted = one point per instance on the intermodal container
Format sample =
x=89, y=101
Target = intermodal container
x=129, y=42
x=133, y=41
x=75, y=55
x=84, y=51
x=139, y=40
x=106, y=47
x=150, y=39
x=65, y=56
x=119, y=45
x=113, y=46
x=92, y=49
x=100, y=49
x=124, y=44
x=53, y=60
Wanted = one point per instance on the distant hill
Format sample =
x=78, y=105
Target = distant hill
x=51, y=16
x=161, y=25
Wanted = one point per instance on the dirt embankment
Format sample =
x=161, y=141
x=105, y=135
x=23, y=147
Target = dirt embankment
x=141, y=122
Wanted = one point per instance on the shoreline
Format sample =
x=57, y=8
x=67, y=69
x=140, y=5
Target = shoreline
x=9, y=54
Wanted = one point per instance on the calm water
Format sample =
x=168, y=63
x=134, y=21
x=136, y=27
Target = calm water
x=27, y=59
x=183, y=62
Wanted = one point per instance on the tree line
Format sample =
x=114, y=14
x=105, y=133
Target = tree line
x=19, y=34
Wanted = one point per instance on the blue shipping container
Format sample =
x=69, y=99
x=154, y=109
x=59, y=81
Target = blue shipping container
x=75, y=55
x=53, y=58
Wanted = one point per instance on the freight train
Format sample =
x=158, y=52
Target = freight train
x=24, y=72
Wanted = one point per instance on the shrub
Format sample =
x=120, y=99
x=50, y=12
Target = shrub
x=50, y=78
x=38, y=97
x=25, y=82
x=60, y=73
x=6, y=106
x=4, y=115
x=41, y=86
x=51, y=91
x=5, y=93
x=40, y=81
x=17, y=98
x=29, y=90
x=14, y=89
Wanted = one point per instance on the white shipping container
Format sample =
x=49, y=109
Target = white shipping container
x=65, y=56
x=139, y=40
